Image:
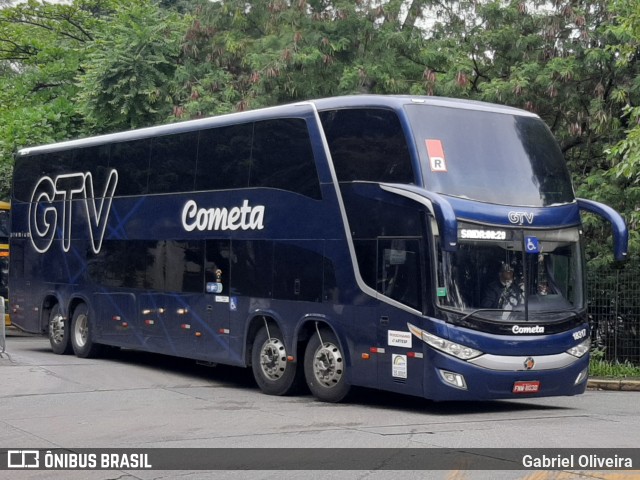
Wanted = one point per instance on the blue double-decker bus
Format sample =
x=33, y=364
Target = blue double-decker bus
x=420, y=245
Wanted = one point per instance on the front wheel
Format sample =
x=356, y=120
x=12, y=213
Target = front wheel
x=274, y=373
x=81, y=334
x=59, y=332
x=325, y=369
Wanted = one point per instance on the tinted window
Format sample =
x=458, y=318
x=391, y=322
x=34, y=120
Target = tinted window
x=94, y=160
x=298, y=272
x=282, y=157
x=131, y=160
x=217, y=267
x=121, y=263
x=399, y=271
x=25, y=173
x=367, y=145
x=29, y=170
x=165, y=265
x=224, y=155
x=252, y=268
x=491, y=157
x=173, y=163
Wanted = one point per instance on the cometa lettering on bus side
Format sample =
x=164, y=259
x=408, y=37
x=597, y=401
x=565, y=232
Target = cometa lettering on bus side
x=244, y=217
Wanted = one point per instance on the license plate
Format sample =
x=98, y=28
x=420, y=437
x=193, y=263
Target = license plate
x=526, y=387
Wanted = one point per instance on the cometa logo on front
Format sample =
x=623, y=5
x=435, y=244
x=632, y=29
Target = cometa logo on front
x=518, y=330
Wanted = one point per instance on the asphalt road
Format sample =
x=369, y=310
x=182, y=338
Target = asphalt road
x=137, y=400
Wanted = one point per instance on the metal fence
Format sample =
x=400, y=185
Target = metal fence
x=614, y=311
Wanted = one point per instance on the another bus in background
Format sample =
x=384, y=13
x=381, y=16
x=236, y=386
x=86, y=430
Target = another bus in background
x=5, y=222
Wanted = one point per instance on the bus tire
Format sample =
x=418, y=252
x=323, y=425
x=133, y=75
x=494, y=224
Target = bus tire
x=59, y=332
x=325, y=369
x=274, y=373
x=81, y=335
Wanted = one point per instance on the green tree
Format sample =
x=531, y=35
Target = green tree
x=239, y=55
x=130, y=67
x=41, y=48
x=625, y=154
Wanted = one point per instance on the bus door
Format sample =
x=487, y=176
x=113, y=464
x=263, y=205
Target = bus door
x=400, y=283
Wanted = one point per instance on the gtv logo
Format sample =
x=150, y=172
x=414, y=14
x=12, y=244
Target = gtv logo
x=52, y=198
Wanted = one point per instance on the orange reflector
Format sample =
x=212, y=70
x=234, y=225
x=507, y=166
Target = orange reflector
x=198, y=334
x=290, y=358
x=366, y=356
x=4, y=254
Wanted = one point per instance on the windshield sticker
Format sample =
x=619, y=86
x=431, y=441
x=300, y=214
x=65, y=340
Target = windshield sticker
x=532, y=244
x=436, y=155
x=399, y=339
x=399, y=367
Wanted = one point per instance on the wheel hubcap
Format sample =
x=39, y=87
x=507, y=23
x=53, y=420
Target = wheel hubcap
x=56, y=329
x=273, y=359
x=81, y=330
x=327, y=365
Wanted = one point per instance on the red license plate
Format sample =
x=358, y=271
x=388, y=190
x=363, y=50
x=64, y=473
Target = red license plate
x=526, y=387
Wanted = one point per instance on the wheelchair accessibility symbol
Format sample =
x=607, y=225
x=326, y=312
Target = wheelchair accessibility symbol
x=532, y=245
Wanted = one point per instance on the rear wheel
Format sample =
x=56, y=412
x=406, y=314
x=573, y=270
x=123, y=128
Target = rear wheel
x=59, y=332
x=274, y=373
x=325, y=369
x=81, y=335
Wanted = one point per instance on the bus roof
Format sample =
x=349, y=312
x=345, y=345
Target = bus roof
x=395, y=102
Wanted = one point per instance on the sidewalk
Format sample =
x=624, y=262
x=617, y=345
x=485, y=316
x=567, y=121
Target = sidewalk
x=623, y=384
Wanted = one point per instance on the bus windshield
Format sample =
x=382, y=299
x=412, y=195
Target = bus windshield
x=489, y=276
x=490, y=156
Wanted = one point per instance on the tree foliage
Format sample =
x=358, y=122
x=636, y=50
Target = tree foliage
x=127, y=74
x=104, y=65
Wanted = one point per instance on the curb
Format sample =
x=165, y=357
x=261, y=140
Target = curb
x=622, y=385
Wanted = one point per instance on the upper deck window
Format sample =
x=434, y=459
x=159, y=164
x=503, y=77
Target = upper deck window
x=367, y=144
x=491, y=157
x=275, y=153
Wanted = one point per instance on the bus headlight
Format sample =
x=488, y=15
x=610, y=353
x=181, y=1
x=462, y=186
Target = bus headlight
x=580, y=349
x=455, y=349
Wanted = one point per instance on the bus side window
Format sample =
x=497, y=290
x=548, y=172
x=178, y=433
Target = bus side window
x=217, y=264
x=131, y=160
x=298, y=271
x=173, y=164
x=282, y=157
x=399, y=273
x=94, y=160
x=224, y=155
x=252, y=268
x=368, y=144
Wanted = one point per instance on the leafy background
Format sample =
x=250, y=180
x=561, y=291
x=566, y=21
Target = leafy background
x=86, y=67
